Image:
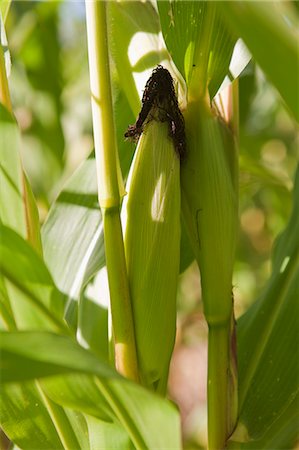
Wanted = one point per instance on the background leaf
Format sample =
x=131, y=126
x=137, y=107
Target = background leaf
x=259, y=29
x=268, y=351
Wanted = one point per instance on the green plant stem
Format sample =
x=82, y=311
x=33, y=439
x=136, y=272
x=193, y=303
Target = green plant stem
x=218, y=379
x=120, y=412
x=4, y=90
x=110, y=188
x=122, y=322
x=60, y=420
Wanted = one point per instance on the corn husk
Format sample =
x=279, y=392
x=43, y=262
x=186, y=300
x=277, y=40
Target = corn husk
x=210, y=211
x=210, y=206
x=151, y=223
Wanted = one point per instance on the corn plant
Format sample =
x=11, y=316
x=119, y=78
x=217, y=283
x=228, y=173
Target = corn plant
x=75, y=375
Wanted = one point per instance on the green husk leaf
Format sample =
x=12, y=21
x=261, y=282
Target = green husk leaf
x=210, y=212
x=151, y=220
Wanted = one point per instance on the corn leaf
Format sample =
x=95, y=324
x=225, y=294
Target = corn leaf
x=88, y=399
x=259, y=30
x=28, y=297
x=12, y=208
x=4, y=8
x=268, y=350
x=191, y=29
x=129, y=23
x=72, y=234
x=104, y=435
x=34, y=300
x=21, y=404
x=150, y=421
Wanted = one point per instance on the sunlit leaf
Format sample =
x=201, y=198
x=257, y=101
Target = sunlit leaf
x=259, y=30
x=150, y=421
x=4, y=8
x=21, y=404
x=12, y=208
x=73, y=234
x=196, y=35
x=34, y=299
x=104, y=435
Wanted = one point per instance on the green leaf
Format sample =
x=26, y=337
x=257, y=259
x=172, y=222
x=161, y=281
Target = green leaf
x=268, y=354
x=259, y=30
x=78, y=392
x=126, y=20
x=93, y=326
x=70, y=357
x=25, y=419
x=198, y=40
x=38, y=35
x=73, y=235
x=107, y=435
x=12, y=210
x=150, y=421
x=34, y=299
x=17, y=207
x=4, y=8
x=181, y=23
x=7, y=321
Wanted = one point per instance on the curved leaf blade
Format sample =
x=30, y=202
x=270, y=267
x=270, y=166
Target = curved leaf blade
x=29, y=280
x=259, y=30
x=151, y=422
x=21, y=404
x=198, y=40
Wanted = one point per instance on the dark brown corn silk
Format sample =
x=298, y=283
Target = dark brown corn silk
x=159, y=102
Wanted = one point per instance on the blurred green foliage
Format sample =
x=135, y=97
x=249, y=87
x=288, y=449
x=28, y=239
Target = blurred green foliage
x=50, y=93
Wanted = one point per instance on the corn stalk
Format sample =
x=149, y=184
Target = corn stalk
x=210, y=211
x=110, y=188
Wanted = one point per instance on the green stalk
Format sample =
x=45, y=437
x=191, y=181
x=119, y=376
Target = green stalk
x=210, y=211
x=60, y=420
x=110, y=188
x=218, y=367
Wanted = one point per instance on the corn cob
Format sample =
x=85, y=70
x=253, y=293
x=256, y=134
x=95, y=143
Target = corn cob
x=151, y=223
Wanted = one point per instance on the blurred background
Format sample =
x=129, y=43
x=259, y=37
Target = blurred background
x=49, y=85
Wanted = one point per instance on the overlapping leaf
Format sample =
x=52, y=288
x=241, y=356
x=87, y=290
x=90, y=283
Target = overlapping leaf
x=198, y=40
x=273, y=41
x=141, y=413
x=268, y=351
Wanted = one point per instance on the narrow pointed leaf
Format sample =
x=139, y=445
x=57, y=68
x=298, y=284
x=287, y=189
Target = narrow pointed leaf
x=34, y=299
x=259, y=29
x=150, y=421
